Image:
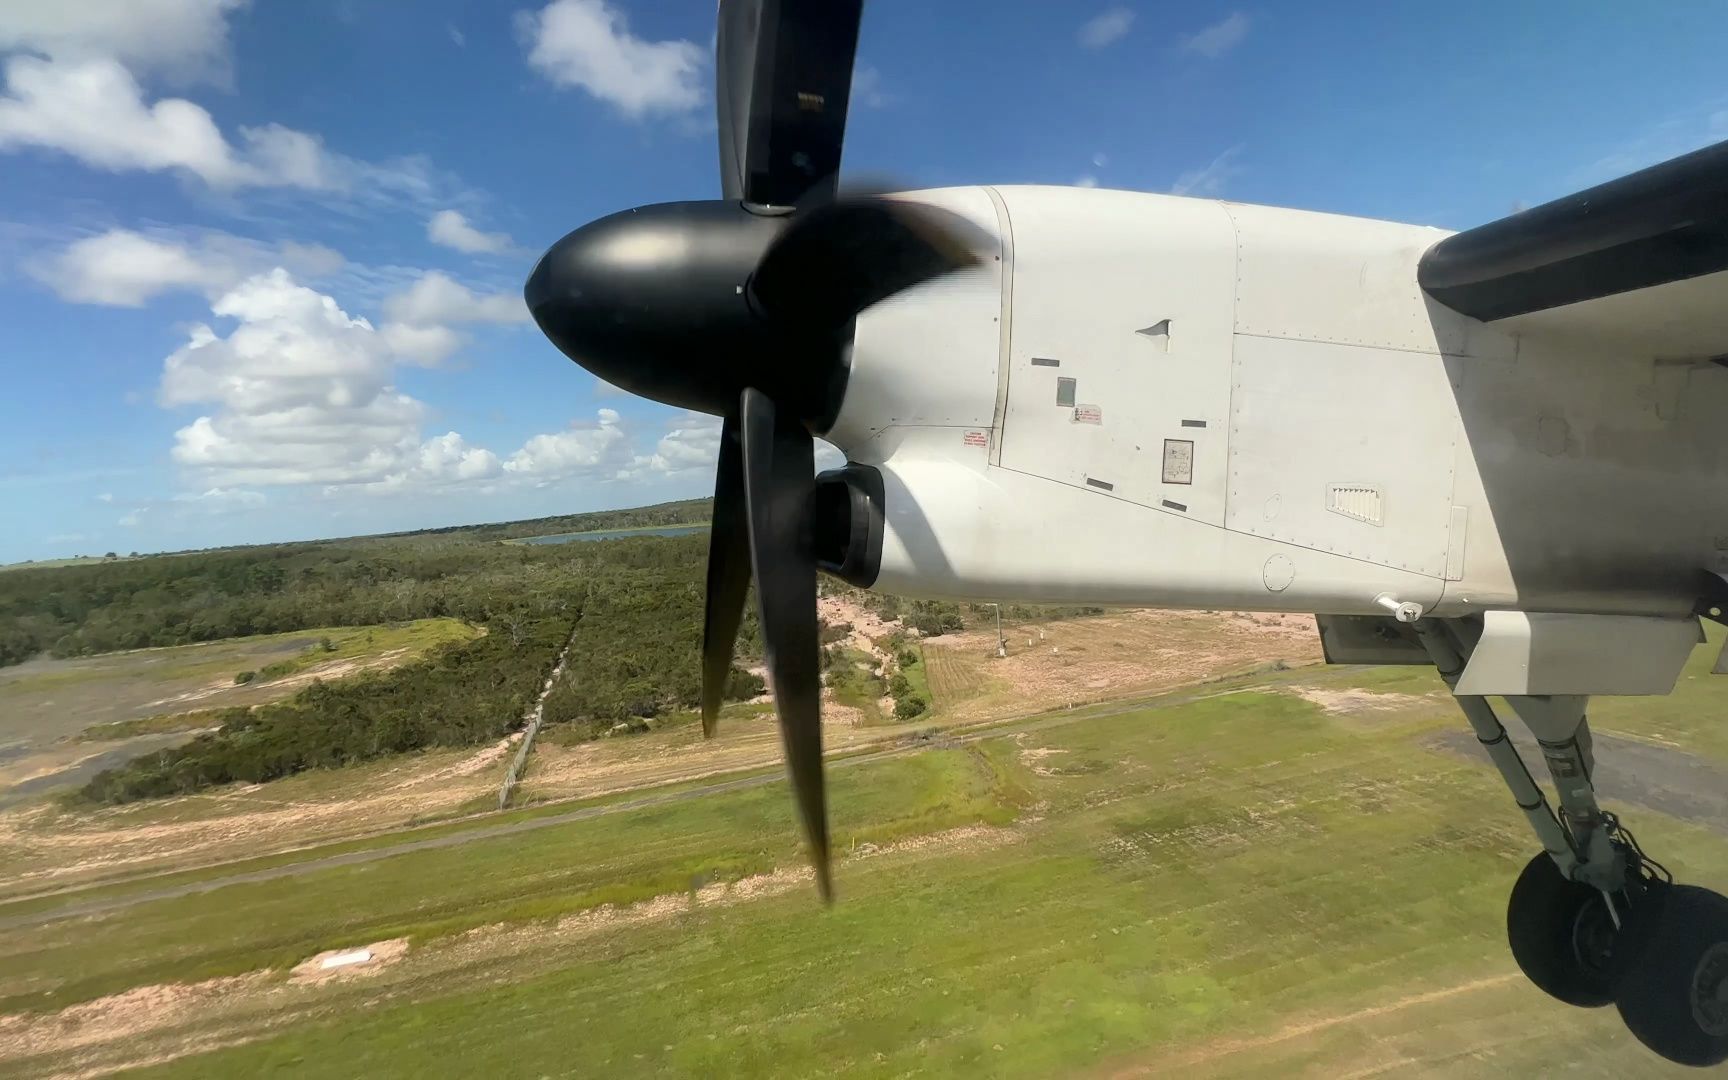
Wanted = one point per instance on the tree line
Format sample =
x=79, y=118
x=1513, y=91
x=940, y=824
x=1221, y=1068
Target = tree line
x=631, y=607
x=233, y=592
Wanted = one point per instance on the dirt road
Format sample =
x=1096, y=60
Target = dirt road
x=913, y=742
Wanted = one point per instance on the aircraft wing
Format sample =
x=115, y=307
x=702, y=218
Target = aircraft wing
x=1642, y=259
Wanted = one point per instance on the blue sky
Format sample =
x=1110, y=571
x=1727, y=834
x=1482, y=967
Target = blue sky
x=260, y=262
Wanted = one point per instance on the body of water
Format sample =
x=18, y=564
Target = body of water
x=612, y=534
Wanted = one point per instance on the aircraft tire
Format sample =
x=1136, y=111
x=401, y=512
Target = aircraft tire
x=1673, y=992
x=1561, y=935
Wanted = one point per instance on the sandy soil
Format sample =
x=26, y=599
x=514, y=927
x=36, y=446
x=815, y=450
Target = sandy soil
x=1032, y=756
x=380, y=954
x=237, y=822
x=120, y=1016
x=287, y=684
x=1355, y=701
x=868, y=630
x=1080, y=661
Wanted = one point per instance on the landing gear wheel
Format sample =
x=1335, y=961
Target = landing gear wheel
x=1562, y=935
x=1674, y=993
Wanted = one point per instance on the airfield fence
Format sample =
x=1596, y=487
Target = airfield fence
x=536, y=717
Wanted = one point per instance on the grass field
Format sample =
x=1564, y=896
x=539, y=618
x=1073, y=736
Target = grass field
x=954, y=675
x=607, y=534
x=52, y=710
x=1272, y=881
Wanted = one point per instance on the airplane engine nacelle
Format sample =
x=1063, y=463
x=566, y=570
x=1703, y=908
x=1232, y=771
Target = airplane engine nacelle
x=1053, y=424
x=1141, y=399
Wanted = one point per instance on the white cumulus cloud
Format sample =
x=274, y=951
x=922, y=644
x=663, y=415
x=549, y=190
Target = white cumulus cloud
x=183, y=40
x=299, y=392
x=94, y=110
x=598, y=449
x=223, y=497
x=449, y=457
x=451, y=229
x=428, y=346
x=125, y=268
x=291, y=390
x=588, y=44
x=437, y=298
x=421, y=316
x=694, y=444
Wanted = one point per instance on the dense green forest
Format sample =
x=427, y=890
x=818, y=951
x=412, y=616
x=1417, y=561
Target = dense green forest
x=630, y=609
x=637, y=650
x=205, y=596
x=461, y=695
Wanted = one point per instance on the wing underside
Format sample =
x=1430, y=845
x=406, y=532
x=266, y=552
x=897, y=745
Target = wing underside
x=1642, y=258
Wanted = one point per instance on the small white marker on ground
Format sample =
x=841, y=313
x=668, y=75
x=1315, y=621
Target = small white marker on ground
x=347, y=959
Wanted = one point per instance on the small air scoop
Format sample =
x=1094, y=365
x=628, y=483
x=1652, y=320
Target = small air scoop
x=1159, y=333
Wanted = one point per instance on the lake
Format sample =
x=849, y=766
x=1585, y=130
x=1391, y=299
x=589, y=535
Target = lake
x=612, y=534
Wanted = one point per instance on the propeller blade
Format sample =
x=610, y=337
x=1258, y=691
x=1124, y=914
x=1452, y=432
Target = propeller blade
x=728, y=573
x=779, y=489
x=783, y=79
x=835, y=260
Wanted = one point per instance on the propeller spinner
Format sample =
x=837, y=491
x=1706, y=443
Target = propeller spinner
x=743, y=309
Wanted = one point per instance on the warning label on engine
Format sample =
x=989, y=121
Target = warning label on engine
x=977, y=438
x=1088, y=414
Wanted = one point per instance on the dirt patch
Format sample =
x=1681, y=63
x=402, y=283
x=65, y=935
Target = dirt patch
x=360, y=963
x=1347, y=701
x=330, y=669
x=1073, y=662
x=869, y=631
x=119, y=1017
x=680, y=753
x=45, y=846
x=1032, y=755
x=966, y=840
x=481, y=759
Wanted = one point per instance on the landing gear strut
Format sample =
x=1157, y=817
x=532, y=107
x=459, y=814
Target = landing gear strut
x=1592, y=919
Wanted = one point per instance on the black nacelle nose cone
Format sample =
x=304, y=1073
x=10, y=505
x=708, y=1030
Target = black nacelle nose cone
x=653, y=300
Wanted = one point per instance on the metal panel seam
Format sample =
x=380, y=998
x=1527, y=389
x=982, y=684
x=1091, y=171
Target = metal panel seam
x=1004, y=354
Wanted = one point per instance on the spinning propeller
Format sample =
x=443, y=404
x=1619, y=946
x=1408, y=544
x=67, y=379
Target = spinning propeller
x=743, y=309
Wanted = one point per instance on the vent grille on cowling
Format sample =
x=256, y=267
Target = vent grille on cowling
x=1356, y=501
